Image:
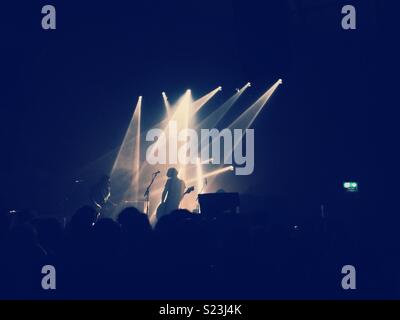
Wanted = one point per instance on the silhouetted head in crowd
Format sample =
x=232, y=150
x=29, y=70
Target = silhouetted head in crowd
x=136, y=229
x=106, y=235
x=174, y=220
x=132, y=220
x=82, y=221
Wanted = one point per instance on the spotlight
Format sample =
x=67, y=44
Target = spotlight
x=214, y=173
x=280, y=81
x=246, y=119
x=237, y=89
x=188, y=91
x=248, y=84
x=166, y=103
x=199, y=103
x=126, y=159
x=208, y=161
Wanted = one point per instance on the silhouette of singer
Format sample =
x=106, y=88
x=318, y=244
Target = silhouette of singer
x=172, y=194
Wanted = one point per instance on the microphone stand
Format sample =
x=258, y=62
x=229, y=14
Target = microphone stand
x=147, y=193
x=197, y=199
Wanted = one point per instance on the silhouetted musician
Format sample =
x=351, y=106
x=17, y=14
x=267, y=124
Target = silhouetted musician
x=172, y=194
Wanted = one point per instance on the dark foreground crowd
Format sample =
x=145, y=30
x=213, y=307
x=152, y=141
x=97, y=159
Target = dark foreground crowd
x=245, y=256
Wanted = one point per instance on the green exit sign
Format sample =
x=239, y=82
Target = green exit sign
x=350, y=186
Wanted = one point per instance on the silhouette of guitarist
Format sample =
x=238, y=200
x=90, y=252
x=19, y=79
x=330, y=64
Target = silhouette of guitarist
x=172, y=194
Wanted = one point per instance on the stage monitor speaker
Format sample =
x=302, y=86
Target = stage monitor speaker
x=214, y=204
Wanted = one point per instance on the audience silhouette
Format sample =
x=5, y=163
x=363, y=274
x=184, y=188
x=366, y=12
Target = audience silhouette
x=247, y=255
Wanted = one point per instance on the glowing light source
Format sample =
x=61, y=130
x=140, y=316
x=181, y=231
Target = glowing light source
x=182, y=117
x=212, y=119
x=128, y=157
x=166, y=103
x=136, y=160
x=246, y=119
x=214, y=173
x=208, y=161
x=203, y=100
x=350, y=186
x=183, y=113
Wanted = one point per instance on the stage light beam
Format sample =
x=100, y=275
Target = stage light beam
x=199, y=103
x=208, y=161
x=136, y=162
x=130, y=137
x=215, y=117
x=214, y=173
x=166, y=103
x=246, y=119
x=127, y=161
